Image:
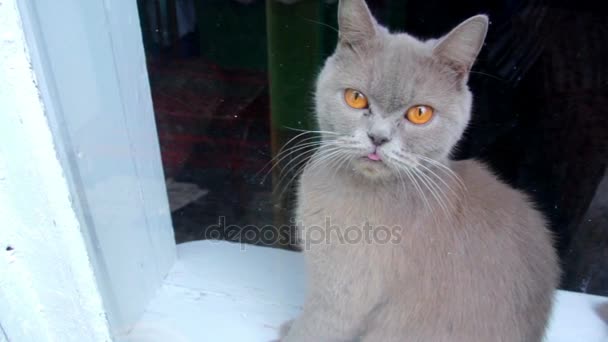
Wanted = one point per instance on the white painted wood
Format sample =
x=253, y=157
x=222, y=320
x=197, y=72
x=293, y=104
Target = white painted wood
x=218, y=291
x=48, y=290
x=576, y=318
x=88, y=57
x=3, y=337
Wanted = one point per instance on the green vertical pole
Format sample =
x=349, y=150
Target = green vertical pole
x=294, y=56
x=293, y=61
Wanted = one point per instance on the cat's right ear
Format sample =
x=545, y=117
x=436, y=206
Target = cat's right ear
x=460, y=47
x=356, y=22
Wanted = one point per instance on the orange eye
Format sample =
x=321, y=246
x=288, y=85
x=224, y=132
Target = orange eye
x=420, y=114
x=355, y=99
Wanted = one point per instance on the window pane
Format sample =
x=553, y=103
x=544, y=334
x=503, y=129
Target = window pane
x=232, y=83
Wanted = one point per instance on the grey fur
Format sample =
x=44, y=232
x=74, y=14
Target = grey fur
x=473, y=260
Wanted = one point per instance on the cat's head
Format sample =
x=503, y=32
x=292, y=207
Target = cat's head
x=391, y=100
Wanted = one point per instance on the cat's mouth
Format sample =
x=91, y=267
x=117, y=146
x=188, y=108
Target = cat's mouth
x=374, y=156
x=372, y=165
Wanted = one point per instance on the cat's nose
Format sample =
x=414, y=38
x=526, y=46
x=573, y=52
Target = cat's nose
x=377, y=140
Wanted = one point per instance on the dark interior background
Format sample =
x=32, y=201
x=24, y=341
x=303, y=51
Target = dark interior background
x=231, y=78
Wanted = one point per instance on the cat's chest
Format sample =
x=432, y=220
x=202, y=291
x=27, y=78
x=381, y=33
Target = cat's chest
x=342, y=204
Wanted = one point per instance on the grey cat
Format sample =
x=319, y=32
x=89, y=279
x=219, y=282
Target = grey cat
x=467, y=257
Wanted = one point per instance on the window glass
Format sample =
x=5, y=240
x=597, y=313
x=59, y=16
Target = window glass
x=232, y=83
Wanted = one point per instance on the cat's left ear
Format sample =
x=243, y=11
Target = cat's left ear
x=355, y=22
x=460, y=47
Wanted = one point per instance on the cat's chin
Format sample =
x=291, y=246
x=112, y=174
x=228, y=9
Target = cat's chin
x=373, y=170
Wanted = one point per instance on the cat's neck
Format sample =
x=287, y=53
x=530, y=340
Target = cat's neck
x=438, y=189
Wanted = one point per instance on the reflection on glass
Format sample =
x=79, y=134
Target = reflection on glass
x=232, y=81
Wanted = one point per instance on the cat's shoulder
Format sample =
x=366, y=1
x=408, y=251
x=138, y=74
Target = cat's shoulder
x=482, y=183
x=507, y=212
x=477, y=174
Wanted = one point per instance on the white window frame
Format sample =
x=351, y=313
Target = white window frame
x=79, y=145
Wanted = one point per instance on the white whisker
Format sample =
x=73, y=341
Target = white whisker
x=419, y=189
x=445, y=169
x=326, y=152
x=434, y=189
x=288, y=153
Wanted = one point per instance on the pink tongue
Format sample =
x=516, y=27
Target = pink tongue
x=373, y=156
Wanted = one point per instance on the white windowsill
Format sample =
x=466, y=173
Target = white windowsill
x=220, y=291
